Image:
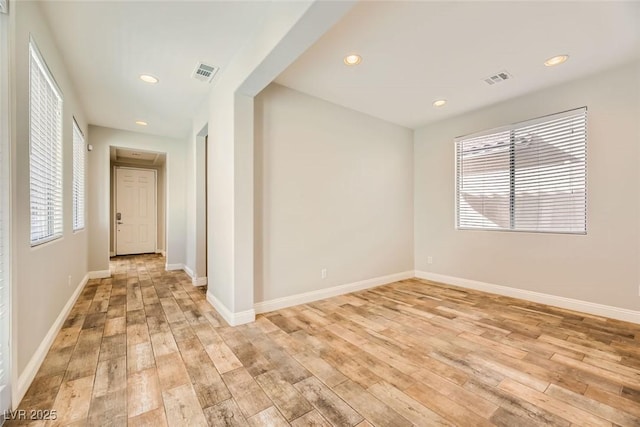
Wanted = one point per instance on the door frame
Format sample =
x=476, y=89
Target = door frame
x=206, y=205
x=115, y=205
x=201, y=175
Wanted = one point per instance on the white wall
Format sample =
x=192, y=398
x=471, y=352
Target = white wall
x=334, y=190
x=41, y=274
x=601, y=267
x=99, y=191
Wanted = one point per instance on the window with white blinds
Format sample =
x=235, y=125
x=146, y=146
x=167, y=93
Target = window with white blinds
x=78, y=178
x=45, y=156
x=531, y=176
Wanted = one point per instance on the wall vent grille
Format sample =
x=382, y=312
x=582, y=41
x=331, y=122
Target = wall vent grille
x=498, y=78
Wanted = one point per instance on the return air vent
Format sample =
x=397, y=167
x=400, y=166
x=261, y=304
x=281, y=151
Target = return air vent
x=498, y=77
x=204, y=72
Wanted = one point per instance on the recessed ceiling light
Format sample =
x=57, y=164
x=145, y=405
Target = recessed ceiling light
x=141, y=123
x=148, y=78
x=352, y=59
x=439, y=102
x=556, y=60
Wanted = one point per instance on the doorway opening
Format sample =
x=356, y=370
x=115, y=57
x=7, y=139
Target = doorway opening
x=138, y=207
x=202, y=202
x=206, y=204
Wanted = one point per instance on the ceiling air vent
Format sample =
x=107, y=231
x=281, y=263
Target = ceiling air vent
x=204, y=72
x=498, y=77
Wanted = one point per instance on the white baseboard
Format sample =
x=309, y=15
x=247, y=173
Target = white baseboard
x=195, y=280
x=558, y=301
x=199, y=281
x=289, y=301
x=161, y=252
x=189, y=272
x=29, y=373
x=100, y=274
x=233, y=319
x=173, y=267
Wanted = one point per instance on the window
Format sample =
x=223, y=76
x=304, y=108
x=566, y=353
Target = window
x=78, y=178
x=525, y=177
x=45, y=156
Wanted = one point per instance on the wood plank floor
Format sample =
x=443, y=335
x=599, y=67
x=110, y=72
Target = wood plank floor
x=145, y=348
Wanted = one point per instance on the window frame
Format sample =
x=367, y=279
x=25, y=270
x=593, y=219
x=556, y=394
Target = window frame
x=7, y=335
x=55, y=219
x=512, y=171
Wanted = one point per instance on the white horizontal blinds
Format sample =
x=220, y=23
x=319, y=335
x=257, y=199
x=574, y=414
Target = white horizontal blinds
x=550, y=174
x=526, y=177
x=45, y=137
x=78, y=178
x=483, y=181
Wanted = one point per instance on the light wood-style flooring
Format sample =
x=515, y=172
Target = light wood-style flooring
x=145, y=348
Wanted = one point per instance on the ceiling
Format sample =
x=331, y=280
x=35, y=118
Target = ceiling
x=417, y=52
x=413, y=53
x=107, y=44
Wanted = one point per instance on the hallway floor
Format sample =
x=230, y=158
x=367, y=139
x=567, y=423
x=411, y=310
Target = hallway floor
x=145, y=348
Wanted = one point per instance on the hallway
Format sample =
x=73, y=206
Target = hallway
x=129, y=338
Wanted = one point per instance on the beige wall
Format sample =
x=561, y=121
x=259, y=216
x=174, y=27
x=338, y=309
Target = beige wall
x=45, y=276
x=601, y=267
x=333, y=190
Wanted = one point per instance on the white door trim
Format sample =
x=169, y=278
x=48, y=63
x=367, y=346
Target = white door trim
x=115, y=203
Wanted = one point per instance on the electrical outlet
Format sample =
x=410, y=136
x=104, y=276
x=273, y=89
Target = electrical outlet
x=69, y=282
x=323, y=273
x=429, y=260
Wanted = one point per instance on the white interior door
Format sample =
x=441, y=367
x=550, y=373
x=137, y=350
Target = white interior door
x=135, y=211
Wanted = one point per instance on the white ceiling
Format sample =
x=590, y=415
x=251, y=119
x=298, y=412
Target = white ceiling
x=413, y=53
x=417, y=52
x=107, y=44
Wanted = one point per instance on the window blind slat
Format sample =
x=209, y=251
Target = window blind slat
x=78, y=178
x=526, y=177
x=45, y=151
